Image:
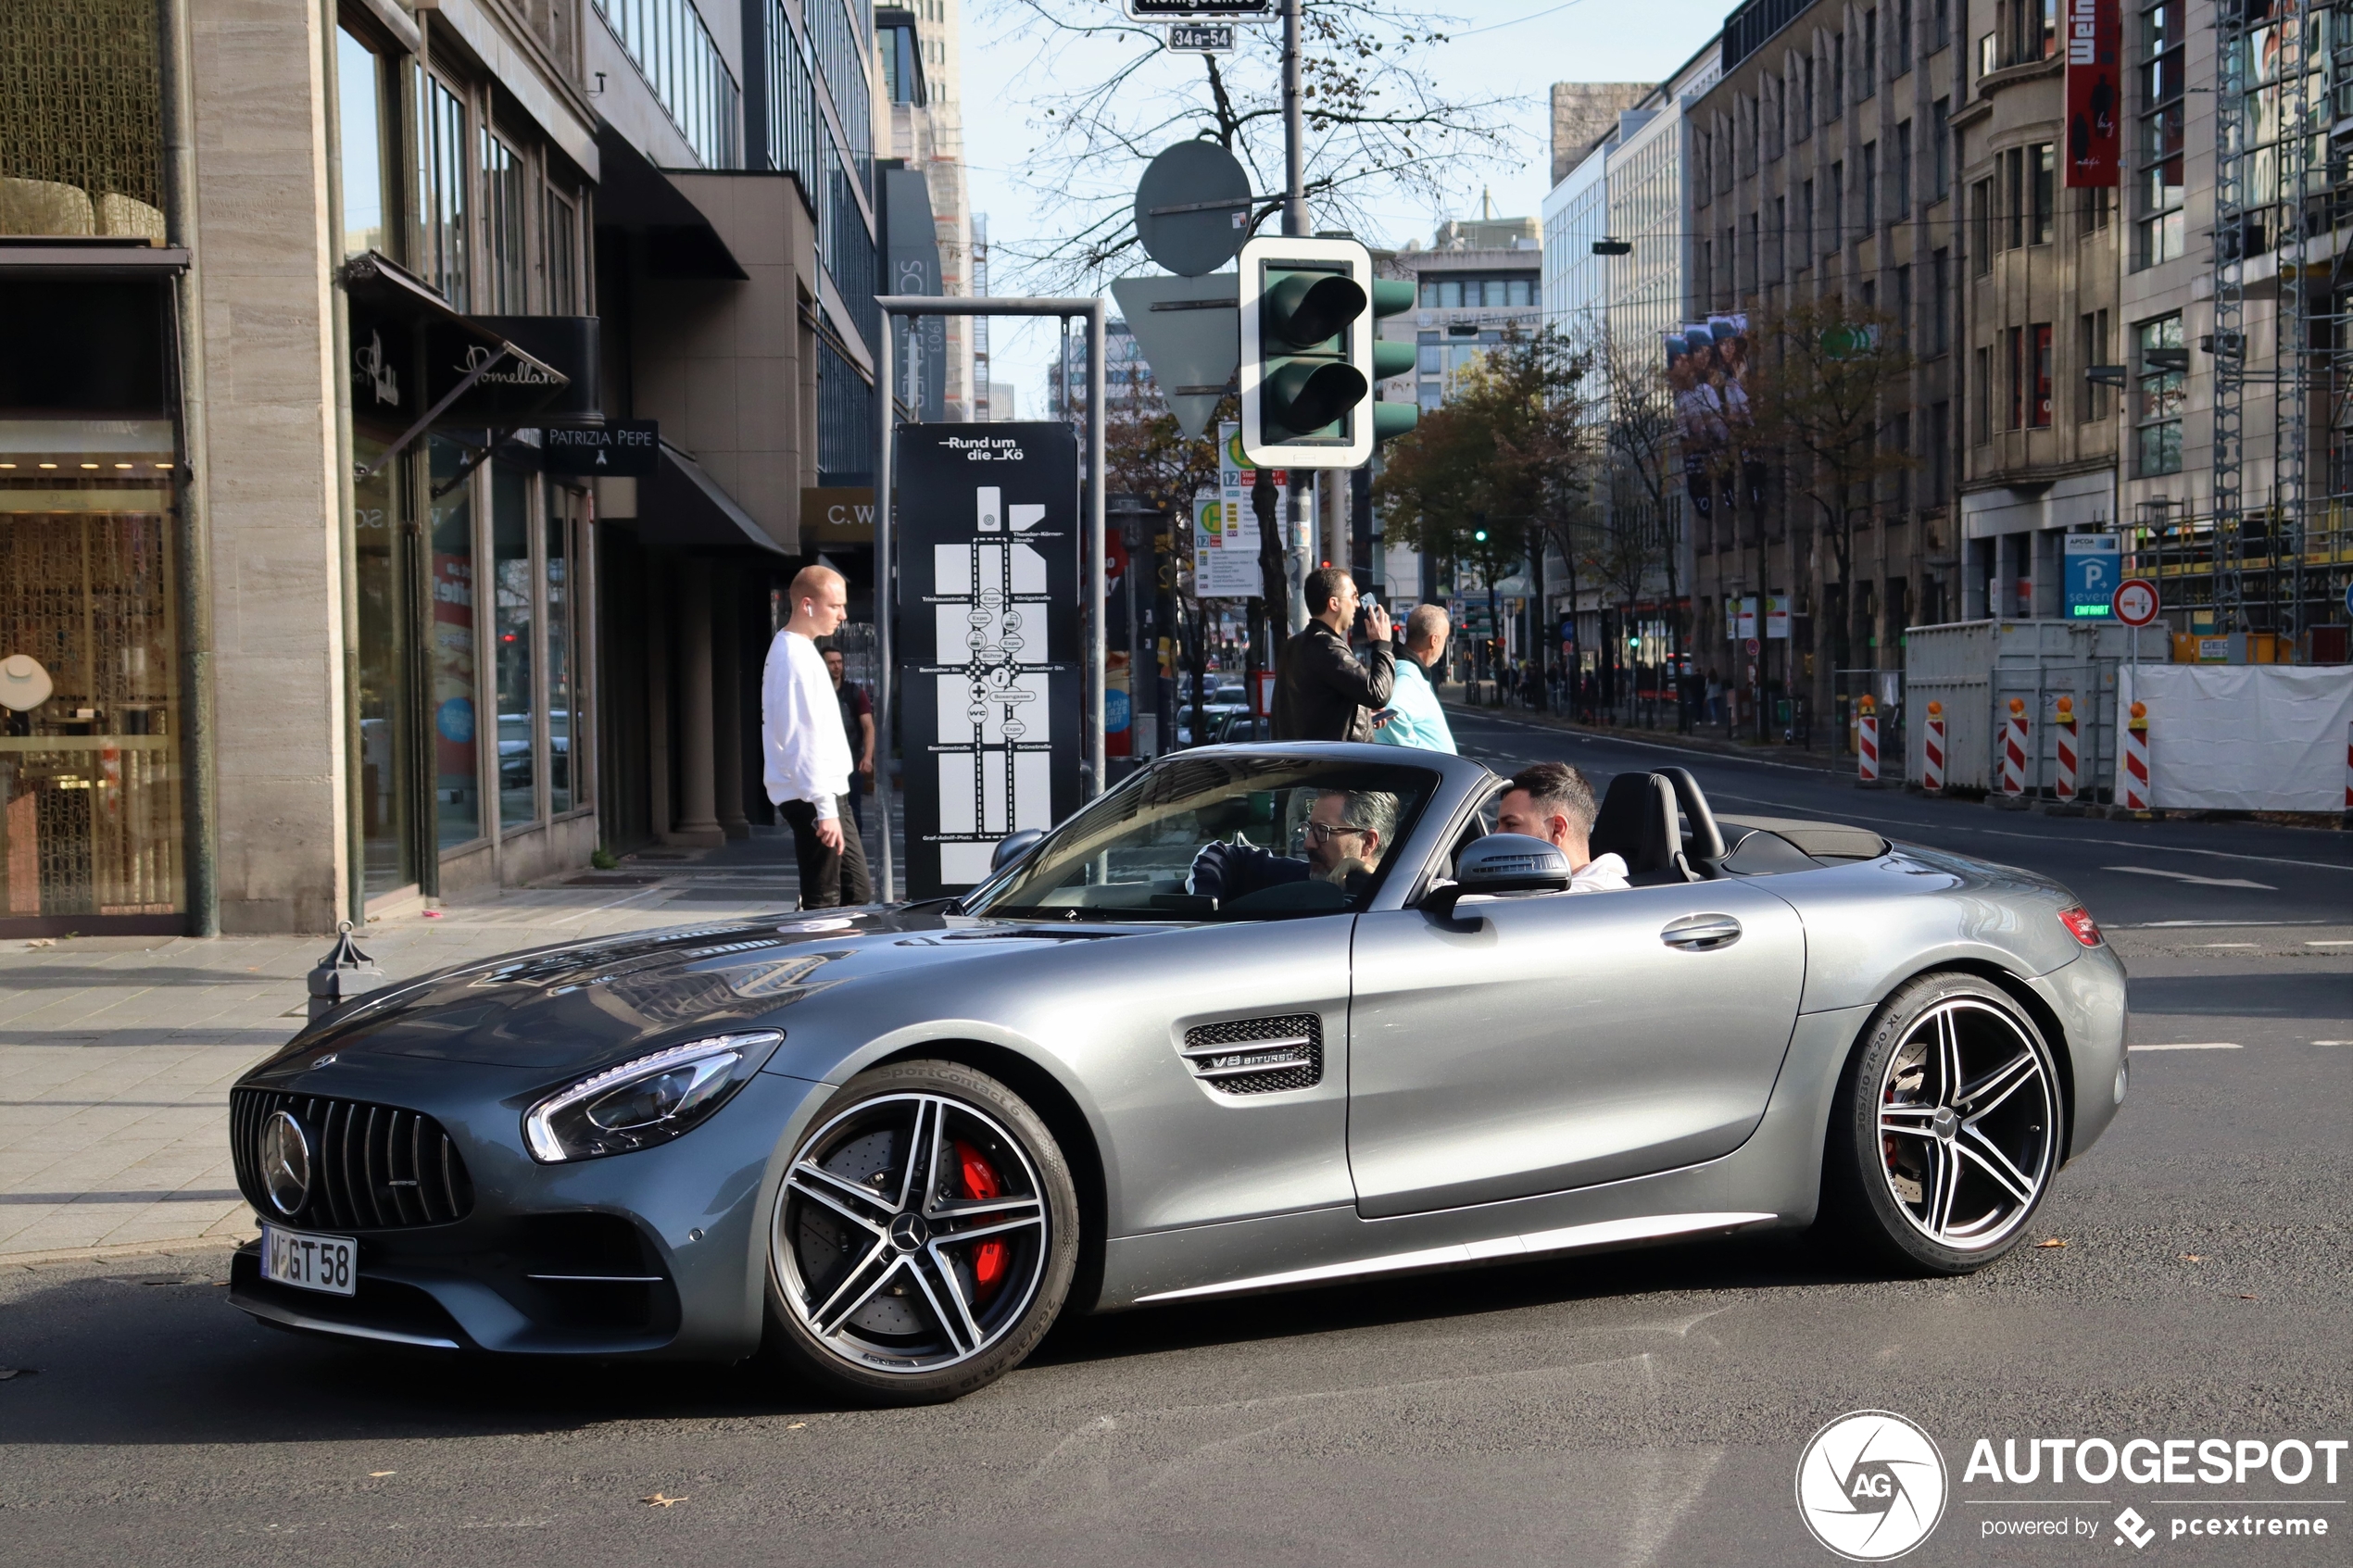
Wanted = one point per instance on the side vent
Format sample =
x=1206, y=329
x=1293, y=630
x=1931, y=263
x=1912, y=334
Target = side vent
x=1257, y=1056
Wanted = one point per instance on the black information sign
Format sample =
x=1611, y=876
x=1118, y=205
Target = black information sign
x=624, y=449
x=988, y=655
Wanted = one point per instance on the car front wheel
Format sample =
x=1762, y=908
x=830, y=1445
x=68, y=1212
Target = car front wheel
x=923, y=1239
x=1948, y=1127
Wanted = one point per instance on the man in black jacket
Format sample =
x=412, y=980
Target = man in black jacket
x=1321, y=692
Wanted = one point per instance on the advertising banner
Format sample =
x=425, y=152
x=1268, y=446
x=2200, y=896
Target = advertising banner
x=2095, y=44
x=989, y=640
x=1707, y=377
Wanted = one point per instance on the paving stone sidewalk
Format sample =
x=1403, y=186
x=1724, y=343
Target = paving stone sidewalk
x=117, y=1053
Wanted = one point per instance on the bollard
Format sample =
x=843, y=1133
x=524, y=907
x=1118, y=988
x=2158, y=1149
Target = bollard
x=344, y=974
x=2136, y=759
x=1932, y=752
x=2064, y=739
x=2014, y=750
x=1867, y=743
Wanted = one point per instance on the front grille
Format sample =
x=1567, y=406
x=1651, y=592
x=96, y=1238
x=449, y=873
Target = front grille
x=1257, y=1056
x=373, y=1167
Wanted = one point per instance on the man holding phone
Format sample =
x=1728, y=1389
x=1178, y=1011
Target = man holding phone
x=1321, y=690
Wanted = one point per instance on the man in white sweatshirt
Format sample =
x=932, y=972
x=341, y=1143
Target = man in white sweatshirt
x=804, y=752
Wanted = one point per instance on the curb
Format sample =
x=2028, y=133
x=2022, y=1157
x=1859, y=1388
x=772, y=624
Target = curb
x=127, y=1249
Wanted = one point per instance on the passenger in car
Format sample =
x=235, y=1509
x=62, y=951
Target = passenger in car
x=1346, y=833
x=1552, y=801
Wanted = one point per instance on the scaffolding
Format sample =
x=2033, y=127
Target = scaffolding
x=2275, y=555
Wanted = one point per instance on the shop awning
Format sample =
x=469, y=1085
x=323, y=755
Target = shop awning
x=684, y=507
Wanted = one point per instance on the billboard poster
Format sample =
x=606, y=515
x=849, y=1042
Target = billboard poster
x=2095, y=44
x=989, y=640
x=1229, y=569
x=1777, y=617
x=1708, y=378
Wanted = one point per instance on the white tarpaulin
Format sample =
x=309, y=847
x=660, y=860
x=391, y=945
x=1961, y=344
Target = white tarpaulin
x=2242, y=737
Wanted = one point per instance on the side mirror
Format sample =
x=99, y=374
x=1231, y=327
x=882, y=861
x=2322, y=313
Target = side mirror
x=1012, y=847
x=1502, y=862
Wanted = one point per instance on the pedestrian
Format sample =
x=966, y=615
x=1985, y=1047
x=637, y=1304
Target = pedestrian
x=804, y=751
x=1321, y=692
x=858, y=724
x=1414, y=717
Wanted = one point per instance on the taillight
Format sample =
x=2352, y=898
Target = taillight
x=2081, y=925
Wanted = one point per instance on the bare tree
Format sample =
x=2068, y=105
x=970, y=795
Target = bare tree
x=1826, y=390
x=1376, y=126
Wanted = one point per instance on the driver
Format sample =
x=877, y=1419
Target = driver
x=1346, y=833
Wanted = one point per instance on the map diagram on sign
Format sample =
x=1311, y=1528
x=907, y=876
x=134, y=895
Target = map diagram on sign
x=990, y=668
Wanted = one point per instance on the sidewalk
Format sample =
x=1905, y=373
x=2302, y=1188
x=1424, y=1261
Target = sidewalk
x=117, y=1052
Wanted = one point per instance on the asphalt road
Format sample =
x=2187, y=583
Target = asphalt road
x=2128, y=872
x=1642, y=1409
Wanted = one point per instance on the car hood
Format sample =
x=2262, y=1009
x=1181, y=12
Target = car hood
x=563, y=1009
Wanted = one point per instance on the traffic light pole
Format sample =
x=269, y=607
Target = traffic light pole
x=1091, y=311
x=1294, y=140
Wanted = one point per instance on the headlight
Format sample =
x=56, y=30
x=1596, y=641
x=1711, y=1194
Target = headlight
x=647, y=1101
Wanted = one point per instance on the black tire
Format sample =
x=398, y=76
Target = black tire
x=885, y=1287
x=1951, y=1075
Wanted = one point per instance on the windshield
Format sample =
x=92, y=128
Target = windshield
x=1233, y=837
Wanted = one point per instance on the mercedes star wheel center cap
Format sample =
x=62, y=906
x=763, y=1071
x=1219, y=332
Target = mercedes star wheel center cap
x=285, y=1162
x=1945, y=1121
x=907, y=1232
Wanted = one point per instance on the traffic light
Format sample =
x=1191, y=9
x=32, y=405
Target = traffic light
x=1308, y=358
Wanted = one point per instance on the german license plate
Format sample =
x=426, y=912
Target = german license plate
x=310, y=1262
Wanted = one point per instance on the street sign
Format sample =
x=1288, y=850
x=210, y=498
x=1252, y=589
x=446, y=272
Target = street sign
x=2095, y=562
x=1187, y=330
x=2135, y=601
x=1202, y=10
x=1200, y=37
x=988, y=648
x=1192, y=208
x=1751, y=649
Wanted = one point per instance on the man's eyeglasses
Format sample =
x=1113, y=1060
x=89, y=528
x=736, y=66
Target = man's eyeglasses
x=1323, y=833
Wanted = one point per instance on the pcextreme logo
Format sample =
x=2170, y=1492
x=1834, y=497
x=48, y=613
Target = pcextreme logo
x=1870, y=1485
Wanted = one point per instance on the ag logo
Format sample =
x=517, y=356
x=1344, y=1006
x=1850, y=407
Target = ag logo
x=1870, y=1485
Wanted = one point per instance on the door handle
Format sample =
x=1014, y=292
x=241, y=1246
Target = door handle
x=1700, y=933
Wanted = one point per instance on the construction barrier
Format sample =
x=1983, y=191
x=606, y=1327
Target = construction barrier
x=2064, y=734
x=2014, y=750
x=2136, y=759
x=1866, y=743
x=1933, y=751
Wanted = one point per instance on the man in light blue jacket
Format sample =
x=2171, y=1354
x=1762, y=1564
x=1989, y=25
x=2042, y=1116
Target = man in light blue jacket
x=1413, y=717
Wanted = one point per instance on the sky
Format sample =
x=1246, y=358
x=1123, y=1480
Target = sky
x=1514, y=48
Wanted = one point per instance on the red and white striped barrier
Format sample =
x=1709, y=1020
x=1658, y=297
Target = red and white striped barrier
x=2349, y=769
x=1933, y=751
x=1867, y=743
x=2136, y=761
x=2014, y=750
x=2064, y=736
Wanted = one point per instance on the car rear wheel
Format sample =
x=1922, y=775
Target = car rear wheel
x=923, y=1239
x=1948, y=1127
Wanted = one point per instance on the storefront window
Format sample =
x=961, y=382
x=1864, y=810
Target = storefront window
x=388, y=743
x=559, y=691
x=457, y=771
x=511, y=625
x=89, y=680
x=358, y=96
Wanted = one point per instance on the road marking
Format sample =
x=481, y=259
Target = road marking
x=1659, y=746
x=2332, y=942
x=2197, y=1046
x=2229, y=944
x=2199, y=880
x=2333, y=1042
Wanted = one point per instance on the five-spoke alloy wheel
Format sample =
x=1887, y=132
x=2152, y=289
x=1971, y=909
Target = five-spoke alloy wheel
x=1950, y=1125
x=924, y=1235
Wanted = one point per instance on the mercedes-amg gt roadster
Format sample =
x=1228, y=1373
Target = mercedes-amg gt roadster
x=1262, y=1017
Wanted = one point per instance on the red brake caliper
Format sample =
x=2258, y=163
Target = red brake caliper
x=980, y=1181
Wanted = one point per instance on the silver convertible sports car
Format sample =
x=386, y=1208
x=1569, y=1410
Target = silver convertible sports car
x=1262, y=1017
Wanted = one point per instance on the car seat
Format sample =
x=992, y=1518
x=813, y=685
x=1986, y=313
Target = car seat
x=1637, y=822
